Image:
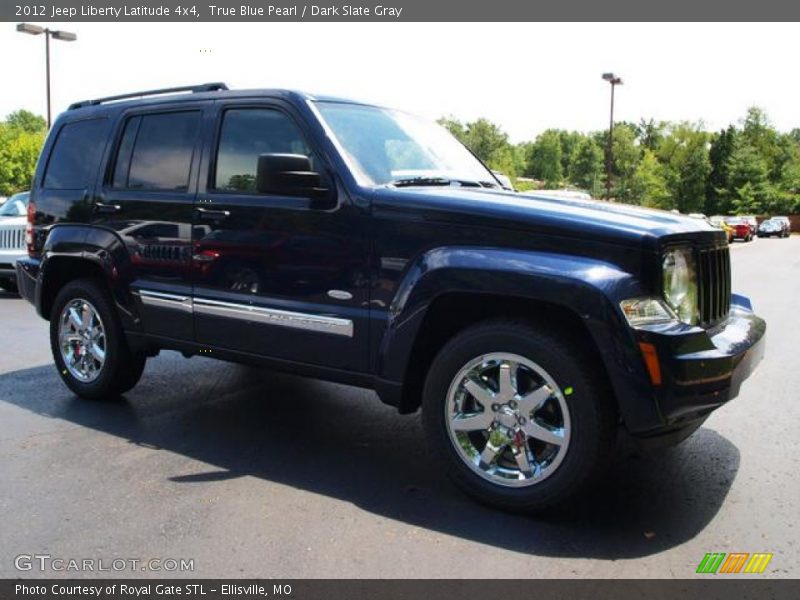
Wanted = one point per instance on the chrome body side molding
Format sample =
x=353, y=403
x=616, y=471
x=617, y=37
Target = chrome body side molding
x=274, y=316
x=164, y=300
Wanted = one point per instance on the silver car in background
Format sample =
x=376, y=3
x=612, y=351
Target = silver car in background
x=13, y=220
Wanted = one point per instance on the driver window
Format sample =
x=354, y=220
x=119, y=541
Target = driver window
x=247, y=133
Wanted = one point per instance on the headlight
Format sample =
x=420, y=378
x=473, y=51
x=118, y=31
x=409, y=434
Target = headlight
x=646, y=311
x=680, y=283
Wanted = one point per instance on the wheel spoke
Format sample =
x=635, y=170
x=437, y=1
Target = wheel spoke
x=489, y=454
x=97, y=352
x=544, y=433
x=75, y=319
x=480, y=392
x=473, y=421
x=86, y=317
x=507, y=380
x=524, y=462
x=533, y=401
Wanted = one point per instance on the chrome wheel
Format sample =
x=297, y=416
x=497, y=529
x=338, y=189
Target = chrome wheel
x=82, y=340
x=507, y=419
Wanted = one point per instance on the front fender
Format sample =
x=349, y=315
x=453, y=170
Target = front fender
x=100, y=248
x=588, y=287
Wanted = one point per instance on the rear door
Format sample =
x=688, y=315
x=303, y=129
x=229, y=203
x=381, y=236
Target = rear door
x=148, y=198
x=273, y=275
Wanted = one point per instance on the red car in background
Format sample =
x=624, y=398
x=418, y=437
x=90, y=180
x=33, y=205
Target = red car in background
x=741, y=228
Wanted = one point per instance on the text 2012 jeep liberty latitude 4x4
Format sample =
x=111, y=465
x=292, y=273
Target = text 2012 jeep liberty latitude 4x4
x=367, y=246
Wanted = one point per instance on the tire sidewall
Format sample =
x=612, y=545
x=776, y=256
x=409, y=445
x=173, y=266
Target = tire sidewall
x=583, y=404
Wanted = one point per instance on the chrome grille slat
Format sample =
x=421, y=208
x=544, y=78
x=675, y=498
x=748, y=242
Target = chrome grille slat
x=714, y=282
x=12, y=238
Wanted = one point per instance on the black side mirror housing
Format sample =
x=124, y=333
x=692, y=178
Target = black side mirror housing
x=292, y=175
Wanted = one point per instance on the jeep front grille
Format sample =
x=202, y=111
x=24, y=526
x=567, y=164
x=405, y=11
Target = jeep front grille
x=12, y=239
x=714, y=285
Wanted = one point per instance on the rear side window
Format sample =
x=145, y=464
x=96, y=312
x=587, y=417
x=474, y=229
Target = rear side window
x=155, y=152
x=76, y=155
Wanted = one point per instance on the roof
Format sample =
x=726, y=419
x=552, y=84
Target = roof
x=204, y=91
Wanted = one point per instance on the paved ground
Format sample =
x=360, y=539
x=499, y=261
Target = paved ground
x=250, y=473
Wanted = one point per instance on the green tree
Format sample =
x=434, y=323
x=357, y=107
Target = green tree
x=489, y=143
x=650, y=133
x=21, y=138
x=544, y=160
x=684, y=154
x=749, y=179
x=586, y=166
x=27, y=121
x=647, y=185
x=626, y=156
x=718, y=197
x=570, y=140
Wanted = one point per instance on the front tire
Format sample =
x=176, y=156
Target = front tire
x=88, y=344
x=518, y=415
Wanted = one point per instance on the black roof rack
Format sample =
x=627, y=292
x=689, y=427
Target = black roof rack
x=203, y=87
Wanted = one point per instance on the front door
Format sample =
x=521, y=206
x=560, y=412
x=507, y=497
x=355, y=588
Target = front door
x=148, y=199
x=273, y=275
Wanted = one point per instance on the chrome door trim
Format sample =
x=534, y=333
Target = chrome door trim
x=164, y=300
x=274, y=316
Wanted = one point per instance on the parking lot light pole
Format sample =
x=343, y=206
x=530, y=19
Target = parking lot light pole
x=614, y=81
x=64, y=36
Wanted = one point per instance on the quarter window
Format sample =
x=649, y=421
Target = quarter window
x=76, y=155
x=246, y=134
x=156, y=151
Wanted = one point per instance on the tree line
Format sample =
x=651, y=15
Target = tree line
x=748, y=168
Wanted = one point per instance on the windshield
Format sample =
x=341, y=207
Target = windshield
x=391, y=147
x=16, y=206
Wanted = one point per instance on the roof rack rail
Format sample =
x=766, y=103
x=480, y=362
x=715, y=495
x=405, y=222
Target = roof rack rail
x=203, y=87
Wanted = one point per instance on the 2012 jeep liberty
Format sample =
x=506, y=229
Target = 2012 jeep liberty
x=364, y=245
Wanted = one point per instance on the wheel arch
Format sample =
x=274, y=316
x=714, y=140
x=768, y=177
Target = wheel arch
x=75, y=251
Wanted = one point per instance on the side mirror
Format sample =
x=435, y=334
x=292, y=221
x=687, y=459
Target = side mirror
x=291, y=175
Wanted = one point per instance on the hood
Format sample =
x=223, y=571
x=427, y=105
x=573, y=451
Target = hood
x=611, y=222
x=6, y=222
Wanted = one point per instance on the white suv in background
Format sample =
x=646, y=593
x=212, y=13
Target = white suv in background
x=13, y=220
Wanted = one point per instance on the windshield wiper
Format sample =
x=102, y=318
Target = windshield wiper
x=443, y=181
x=421, y=181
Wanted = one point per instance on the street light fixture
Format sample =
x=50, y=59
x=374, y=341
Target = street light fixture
x=64, y=36
x=614, y=81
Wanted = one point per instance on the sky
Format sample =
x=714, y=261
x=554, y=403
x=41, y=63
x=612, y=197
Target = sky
x=526, y=77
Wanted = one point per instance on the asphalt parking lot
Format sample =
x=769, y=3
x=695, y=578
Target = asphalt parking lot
x=255, y=474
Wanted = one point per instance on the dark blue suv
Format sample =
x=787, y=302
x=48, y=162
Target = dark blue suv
x=364, y=245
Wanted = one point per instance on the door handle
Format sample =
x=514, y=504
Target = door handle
x=212, y=215
x=102, y=208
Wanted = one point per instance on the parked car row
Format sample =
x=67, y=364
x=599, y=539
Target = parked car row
x=746, y=227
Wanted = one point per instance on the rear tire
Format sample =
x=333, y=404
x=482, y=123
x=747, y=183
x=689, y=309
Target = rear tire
x=88, y=344
x=529, y=450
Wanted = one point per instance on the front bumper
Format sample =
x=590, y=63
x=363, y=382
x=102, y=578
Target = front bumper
x=703, y=369
x=7, y=260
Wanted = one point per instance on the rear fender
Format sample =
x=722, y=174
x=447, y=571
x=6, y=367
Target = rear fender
x=70, y=245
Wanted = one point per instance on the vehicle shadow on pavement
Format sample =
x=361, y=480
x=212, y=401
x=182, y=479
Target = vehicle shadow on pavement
x=341, y=442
